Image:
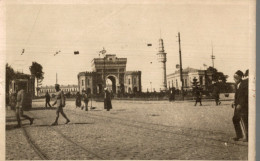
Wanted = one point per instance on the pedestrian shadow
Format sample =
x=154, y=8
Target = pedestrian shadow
x=76, y=123
x=41, y=108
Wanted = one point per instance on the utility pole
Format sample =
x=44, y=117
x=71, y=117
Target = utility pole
x=212, y=56
x=56, y=78
x=179, y=37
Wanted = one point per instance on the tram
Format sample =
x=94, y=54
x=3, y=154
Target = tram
x=27, y=82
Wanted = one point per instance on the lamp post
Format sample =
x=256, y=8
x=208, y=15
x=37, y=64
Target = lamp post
x=104, y=78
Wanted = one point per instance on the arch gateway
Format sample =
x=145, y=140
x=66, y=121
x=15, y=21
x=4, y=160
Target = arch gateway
x=110, y=72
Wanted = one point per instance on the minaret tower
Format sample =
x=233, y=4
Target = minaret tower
x=161, y=56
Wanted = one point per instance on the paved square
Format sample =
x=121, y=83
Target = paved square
x=131, y=130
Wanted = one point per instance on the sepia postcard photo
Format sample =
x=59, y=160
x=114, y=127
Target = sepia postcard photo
x=127, y=80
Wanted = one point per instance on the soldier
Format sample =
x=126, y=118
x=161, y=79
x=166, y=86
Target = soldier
x=60, y=100
x=240, y=117
x=47, y=99
x=19, y=106
x=107, y=100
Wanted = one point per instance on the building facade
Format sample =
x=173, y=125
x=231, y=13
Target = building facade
x=109, y=68
x=203, y=77
x=72, y=89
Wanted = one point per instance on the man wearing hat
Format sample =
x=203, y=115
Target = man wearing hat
x=60, y=101
x=107, y=100
x=241, y=107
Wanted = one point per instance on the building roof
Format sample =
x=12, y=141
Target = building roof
x=61, y=86
x=132, y=72
x=186, y=70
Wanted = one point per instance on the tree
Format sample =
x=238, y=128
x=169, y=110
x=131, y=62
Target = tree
x=36, y=71
x=195, y=82
x=219, y=78
x=10, y=75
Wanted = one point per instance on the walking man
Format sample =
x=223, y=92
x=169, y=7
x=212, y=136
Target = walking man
x=60, y=101
x=47, y=99
x=240, y=117
x=19, y=107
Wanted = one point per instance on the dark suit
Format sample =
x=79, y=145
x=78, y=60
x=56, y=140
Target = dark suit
x=240, y=118
x=107, y=101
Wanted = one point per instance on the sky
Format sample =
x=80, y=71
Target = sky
x=125, y=29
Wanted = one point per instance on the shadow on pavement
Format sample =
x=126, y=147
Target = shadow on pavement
x=11, y=127
x=41, y=108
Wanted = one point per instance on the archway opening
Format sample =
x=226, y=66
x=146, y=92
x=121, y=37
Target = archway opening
x=111, y=83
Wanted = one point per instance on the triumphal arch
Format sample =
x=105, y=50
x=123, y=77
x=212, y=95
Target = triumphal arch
x=110, y=68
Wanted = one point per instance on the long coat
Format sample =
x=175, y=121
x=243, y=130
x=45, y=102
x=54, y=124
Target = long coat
x=78, y=100
x=107, y=100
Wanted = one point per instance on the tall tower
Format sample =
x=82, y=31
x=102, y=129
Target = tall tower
x=161, y=56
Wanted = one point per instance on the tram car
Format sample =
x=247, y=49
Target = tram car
x=28, y=85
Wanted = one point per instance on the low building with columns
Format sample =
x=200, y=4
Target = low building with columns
x=203, y=77
x=109, y=68
x=72, y=89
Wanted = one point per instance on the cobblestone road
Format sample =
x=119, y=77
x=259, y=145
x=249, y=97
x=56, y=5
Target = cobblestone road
x=131, y=130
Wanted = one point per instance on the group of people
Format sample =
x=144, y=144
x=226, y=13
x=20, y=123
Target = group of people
x=85, y=97
x=240, y=105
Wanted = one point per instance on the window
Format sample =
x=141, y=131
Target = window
x=82, y=83
x=172, y=83
x=185, y=82
x=88, y=82
x=129, y=81
x=201, y=80
x=134, y=80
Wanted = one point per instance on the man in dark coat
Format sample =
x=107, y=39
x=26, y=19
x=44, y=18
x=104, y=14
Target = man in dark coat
x=240, y=117
x=216, y=93
x=107, y=100
x=78, y=100
x=47, y=99
x=197, y=91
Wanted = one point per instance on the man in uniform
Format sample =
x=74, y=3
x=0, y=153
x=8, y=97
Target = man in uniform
x=19, y=107
x=60, y=100
x=241, y=107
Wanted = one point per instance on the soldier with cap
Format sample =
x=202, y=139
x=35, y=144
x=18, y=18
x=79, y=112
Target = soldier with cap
x=20, y=105
x=241, y=107
x=60, y=101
